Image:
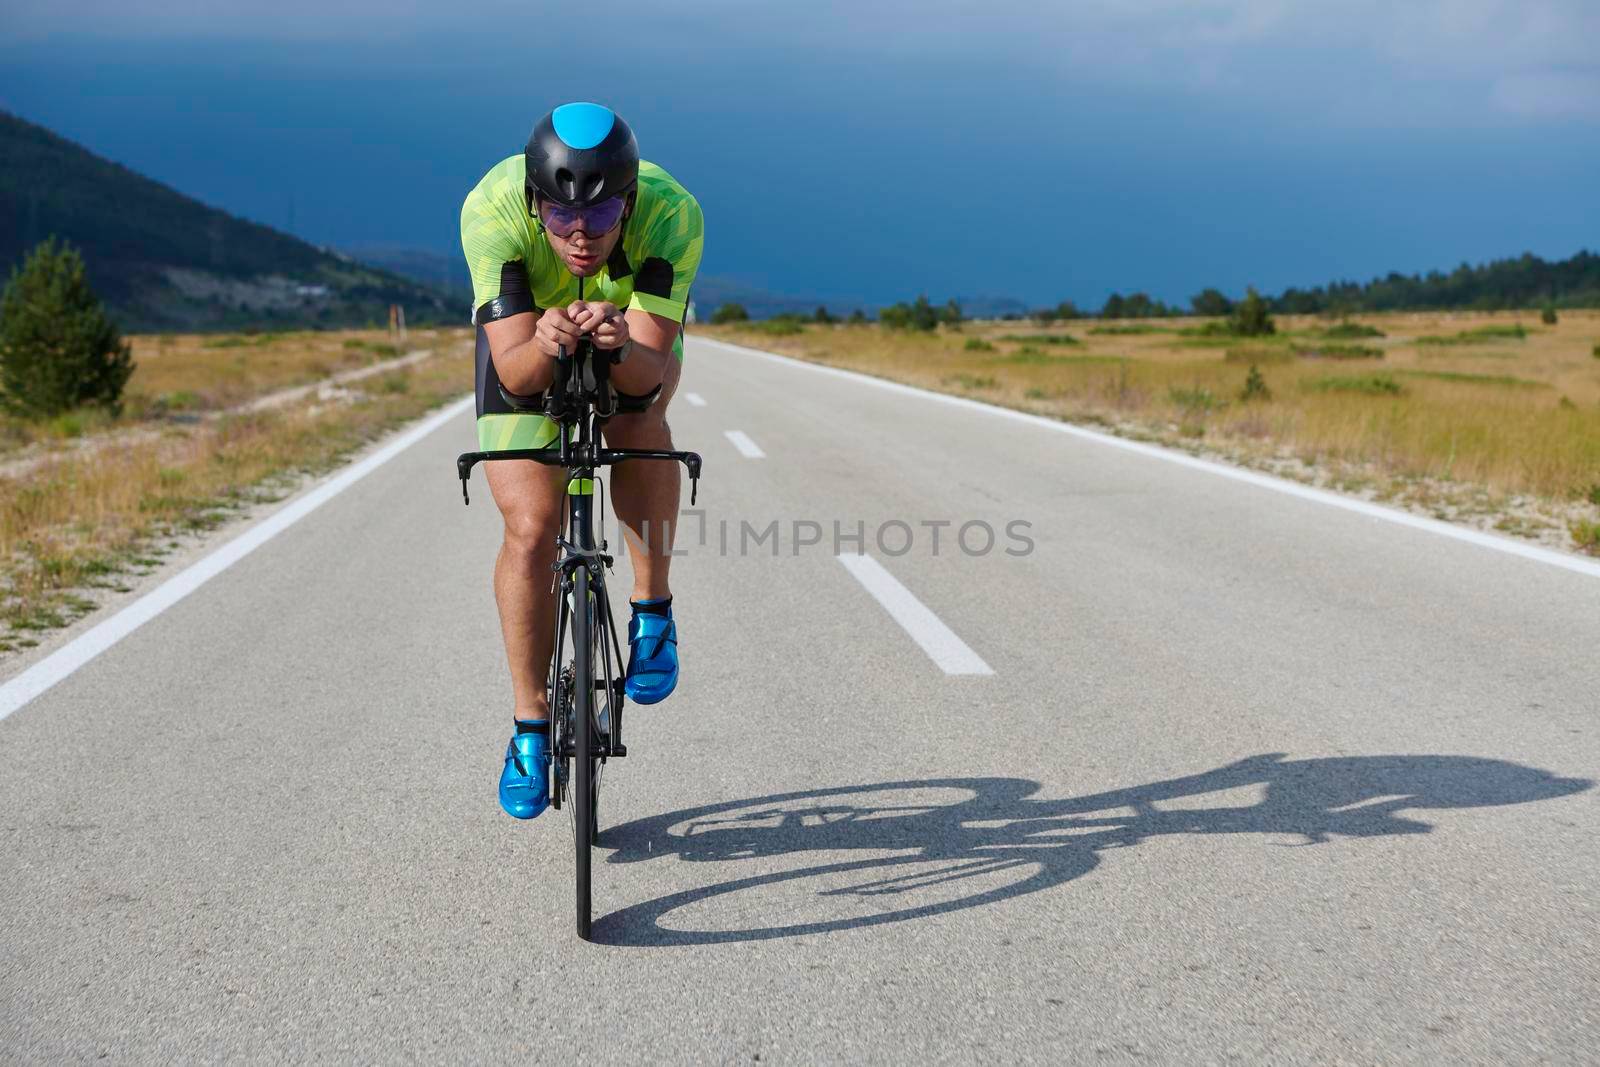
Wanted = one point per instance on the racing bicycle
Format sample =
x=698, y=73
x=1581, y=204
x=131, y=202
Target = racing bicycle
x=585, y=680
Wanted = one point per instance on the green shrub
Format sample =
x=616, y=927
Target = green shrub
x=1064, y=310
x=1338, y=352
x=1210, y=329
x=1250, y=317
x=1349, y=331
x=1474, y=379
x=919, y=315
x=1027, y=356
x=1255, y=386
x=1369, y=384
x=229, y=342
x=780, y=325
x=1513, y=332
x=729, y=313
x=67, y=424
x=58, y=350
x=1128, y=328
x=1586, y=535
x=1043, y=338
x=1593, y=494
x=857, y=318
x=978, y=344
x=972, y=381
x=821, y=316
x=1595, y=351
x=1548, y=315
x=182, y=400
x=1196, y=399
x=1211, y=303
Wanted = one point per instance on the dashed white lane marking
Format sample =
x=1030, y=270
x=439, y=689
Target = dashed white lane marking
x=86, y=646
x=1238, y=474
x=951, y=654
x=695, y=400
x=747, y=448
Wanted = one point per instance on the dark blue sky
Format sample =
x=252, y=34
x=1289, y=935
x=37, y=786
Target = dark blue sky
x=879, y=150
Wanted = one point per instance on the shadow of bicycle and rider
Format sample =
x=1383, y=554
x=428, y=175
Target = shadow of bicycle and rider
x=939, y=845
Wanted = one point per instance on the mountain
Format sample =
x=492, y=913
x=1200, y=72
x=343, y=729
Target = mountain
x=162, y=260
x=446, y=272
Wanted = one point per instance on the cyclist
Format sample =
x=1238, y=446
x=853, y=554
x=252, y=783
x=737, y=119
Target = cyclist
x=577, y=203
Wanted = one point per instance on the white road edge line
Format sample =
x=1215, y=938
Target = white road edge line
x=38, y=678
x=747, y=448
x=1238, y=474
x=695, y=400
x=948, y=652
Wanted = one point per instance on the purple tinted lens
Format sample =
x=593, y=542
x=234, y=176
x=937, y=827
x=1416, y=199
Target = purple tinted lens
x=594, y=220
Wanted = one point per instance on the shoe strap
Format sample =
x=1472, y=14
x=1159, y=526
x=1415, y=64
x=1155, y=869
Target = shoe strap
x=663, y=634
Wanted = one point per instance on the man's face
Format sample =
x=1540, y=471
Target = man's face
x=582, y=252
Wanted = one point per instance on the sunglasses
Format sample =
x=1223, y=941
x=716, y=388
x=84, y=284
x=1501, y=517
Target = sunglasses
x=594, y=220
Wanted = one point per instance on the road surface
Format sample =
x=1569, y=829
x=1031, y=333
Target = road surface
x=1196, y=771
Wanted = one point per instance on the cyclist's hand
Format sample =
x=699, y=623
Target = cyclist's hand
x=592, y=317
x=555, y=330
x=612, y=330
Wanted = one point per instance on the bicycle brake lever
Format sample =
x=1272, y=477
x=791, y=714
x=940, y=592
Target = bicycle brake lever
x=692, y=461
x=464, y=471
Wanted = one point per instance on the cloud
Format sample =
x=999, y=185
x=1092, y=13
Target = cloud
x=1381, y=61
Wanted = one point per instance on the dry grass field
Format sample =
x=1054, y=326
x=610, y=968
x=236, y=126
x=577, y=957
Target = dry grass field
x=1492, y=419
x=93, y=500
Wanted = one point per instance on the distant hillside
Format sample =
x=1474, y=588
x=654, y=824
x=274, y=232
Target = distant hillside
x=162, y=260
x=446, y=272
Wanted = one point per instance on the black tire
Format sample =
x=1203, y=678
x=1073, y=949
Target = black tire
x=583, y=786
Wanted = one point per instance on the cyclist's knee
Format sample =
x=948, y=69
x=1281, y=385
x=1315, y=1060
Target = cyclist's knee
x=639, y=430
x=531, y=534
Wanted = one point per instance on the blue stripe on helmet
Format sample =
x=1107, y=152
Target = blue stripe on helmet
x=582, y=125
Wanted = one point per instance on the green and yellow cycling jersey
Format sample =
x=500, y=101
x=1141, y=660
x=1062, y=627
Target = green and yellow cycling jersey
x=514, y=269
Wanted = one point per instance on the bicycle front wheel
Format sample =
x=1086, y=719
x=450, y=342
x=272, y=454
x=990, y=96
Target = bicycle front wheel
x=586, y=763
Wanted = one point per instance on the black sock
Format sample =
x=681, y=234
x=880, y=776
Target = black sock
x=525, y=726
x=652, y=607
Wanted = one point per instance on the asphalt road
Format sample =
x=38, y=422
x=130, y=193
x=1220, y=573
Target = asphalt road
x=1210, y=772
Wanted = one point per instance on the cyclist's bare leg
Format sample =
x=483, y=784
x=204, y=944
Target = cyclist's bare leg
x=646, y=493
x=531, y=501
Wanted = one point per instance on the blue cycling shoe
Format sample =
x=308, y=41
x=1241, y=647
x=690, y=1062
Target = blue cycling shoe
x=652, y=653
x=525, y=779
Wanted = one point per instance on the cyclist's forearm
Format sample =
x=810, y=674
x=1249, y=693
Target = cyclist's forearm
x=524, y=370
x=642, y=371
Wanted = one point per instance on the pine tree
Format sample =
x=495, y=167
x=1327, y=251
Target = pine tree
x=58, y=350
x=1250, y=318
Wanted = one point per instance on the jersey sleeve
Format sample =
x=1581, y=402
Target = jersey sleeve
x=675, y=241
x=495, y=256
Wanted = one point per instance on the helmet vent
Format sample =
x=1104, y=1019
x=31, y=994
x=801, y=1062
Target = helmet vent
x=597, y=182
x=567, y=183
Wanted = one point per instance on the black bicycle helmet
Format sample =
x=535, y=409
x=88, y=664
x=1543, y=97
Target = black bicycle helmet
x=581, y=154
